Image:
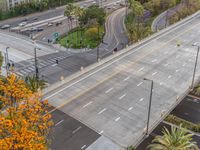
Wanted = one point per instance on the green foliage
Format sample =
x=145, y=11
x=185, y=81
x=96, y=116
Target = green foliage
x=35, y=85
x=130, y=148
x=92, y=33
x=93, y=15
x=196, y=90
x=79, y=39
x=186, y=124
x=1, y=60
x=177, y=139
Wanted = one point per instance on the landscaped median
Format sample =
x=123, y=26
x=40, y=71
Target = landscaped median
x=89, y=37
x=185, y=124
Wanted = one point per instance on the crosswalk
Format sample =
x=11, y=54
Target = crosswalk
x=30, y=69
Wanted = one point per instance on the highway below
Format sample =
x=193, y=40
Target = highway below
x=113, y=98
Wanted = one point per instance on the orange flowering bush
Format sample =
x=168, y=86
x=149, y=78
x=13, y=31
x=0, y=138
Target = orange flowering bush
x=23, y=123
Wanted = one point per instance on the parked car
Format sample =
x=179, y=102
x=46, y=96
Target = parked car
x=50, y=24
x=6, y=26
x=23, y=24
x=40, y=29
x=58, y=23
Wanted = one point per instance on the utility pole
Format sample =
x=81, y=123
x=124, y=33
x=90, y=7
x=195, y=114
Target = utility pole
x=36, y=66
x=7, y=61
x=149, y=109
x=195, y=65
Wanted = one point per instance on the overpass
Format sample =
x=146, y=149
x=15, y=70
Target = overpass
x=112, y=98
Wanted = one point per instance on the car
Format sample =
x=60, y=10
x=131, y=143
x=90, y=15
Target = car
x=35, y=19
x=25, y=20
x=40, y=29
x=23, y=24
x=50, y=24
x=6, y=26
x=58, y=23
x=33, y=29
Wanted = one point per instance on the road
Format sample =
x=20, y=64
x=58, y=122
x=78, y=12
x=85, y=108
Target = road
x=115, y=36
x=69, y=134
x=69, y=63
x=188, y=109
x=113, y=99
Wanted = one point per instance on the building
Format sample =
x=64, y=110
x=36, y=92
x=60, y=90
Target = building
x=3, y=5
x=13, y=3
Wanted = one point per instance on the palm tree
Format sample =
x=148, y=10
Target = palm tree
x=34, y=85
x=196, y=90
x=69, y=12
x=178, y=139
x=78, y=12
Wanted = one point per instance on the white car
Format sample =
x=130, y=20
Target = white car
x=50, y=24
x=6, y=26
x=22, y=24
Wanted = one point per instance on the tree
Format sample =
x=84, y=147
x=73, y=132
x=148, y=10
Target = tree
x=92, y=33
x=1, y=60
x=178, y=139
x=24, y=123
x=35, y=84
x=93, y=16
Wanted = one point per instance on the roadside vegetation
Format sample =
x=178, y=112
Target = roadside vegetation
x=186, y=124
x=90, y=27
x=142, y=13
x=176, y=139
x=31, y=7
x=24, y=121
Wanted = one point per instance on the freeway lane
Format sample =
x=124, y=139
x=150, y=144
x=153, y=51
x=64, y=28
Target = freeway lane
x=69, y=134
x=114, y=98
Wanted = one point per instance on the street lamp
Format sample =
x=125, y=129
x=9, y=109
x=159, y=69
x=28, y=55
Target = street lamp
x=149, y=109
x=195, y=66
x=36, y=65
x=7, y=61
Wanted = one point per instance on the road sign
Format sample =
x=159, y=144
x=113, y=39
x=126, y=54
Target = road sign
x=55, y=35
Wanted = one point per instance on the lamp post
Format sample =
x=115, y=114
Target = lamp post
x=149, y=109
x=36, y=64
x=7, y=61
x=195, y=65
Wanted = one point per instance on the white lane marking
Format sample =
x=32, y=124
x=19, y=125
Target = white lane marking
x=54, y=65
x=117, y=119
x=140, y=83
x=101, y=111
x=154, y=73
x=177, y=70
x=130, y=108
x=141, y=99
x=109, y=90
x=126, y=78
x=142, y=46
x=76, y=130
x=122, y=96
x=154, y=60
x=183, y=65
x=141, y=69
x=59, y=122
x=161, y=83
x=169, y=76
x=83, y=146
x=101, y=132
x=166, y=64
x=88, y=104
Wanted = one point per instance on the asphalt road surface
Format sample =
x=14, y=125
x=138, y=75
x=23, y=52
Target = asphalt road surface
x=114, y=97
x=188, y=109
x=70, y=134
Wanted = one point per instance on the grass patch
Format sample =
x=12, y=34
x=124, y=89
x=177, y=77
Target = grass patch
x=185, y=124
x=79, y=39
